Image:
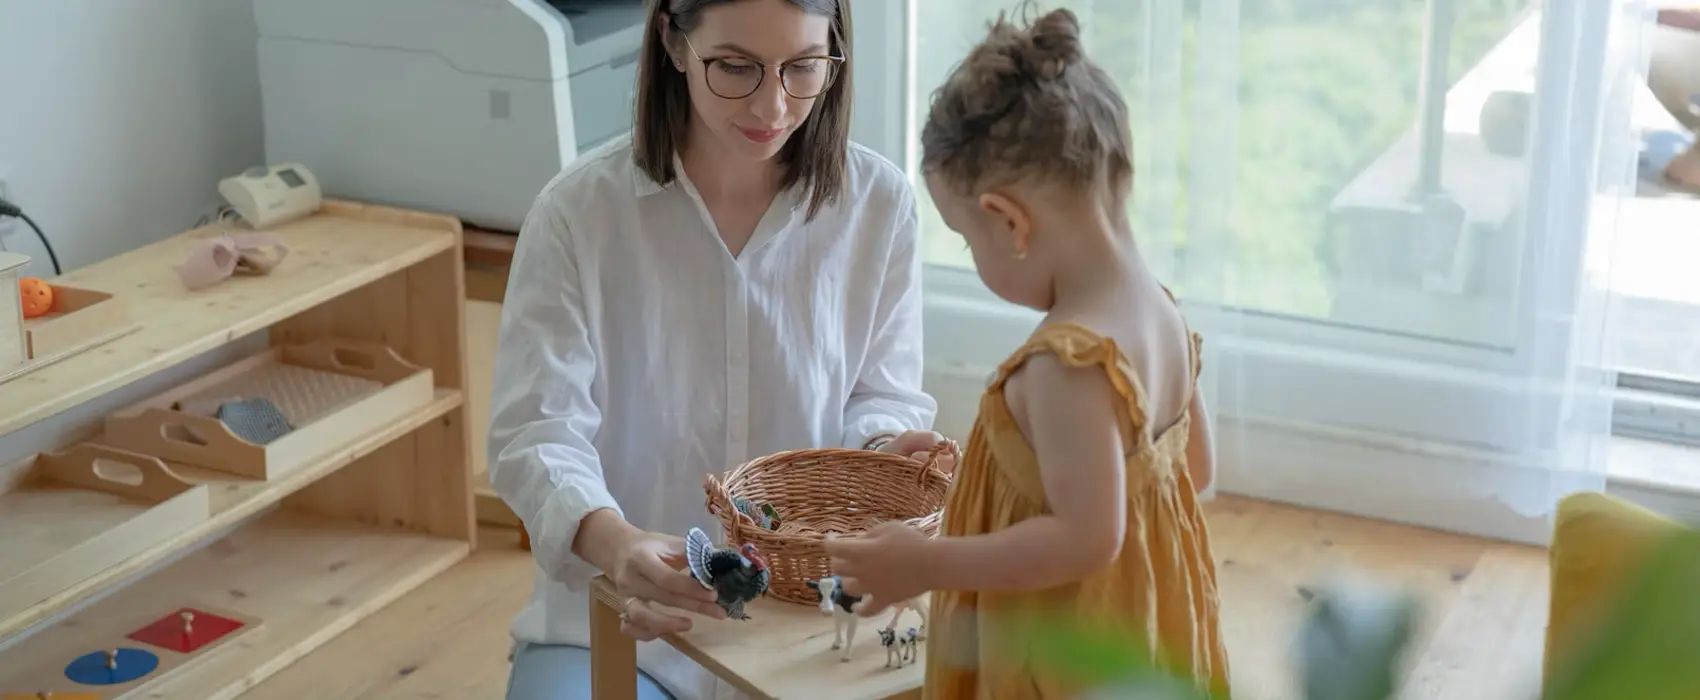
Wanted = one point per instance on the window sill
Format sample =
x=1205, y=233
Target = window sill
x=1664, y=476
x=1388, y=478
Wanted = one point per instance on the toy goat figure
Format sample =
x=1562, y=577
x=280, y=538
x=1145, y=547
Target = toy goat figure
x=893, y=652
x=842, y=607
x=906, y=647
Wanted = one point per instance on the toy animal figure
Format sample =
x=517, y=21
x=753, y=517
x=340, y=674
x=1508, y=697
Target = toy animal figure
x=842, y=607
x=914, y=604
x=736, y=575
x=893, y=654
x=906, y=647
x=762, y=513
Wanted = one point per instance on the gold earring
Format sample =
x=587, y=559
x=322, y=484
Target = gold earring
x=1020, y=254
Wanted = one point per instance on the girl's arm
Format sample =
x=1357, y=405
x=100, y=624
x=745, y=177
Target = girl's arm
x=1071, y=415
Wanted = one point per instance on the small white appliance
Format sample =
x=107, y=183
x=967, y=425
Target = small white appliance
x=266, y=196
x=466, y=107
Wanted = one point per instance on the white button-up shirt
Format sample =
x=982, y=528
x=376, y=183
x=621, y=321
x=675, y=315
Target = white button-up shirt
x=637, y=355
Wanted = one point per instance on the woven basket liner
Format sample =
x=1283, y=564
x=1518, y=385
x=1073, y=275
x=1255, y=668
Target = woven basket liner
x=820, y=491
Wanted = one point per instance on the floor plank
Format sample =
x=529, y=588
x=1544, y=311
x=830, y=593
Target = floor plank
x=1485, y=612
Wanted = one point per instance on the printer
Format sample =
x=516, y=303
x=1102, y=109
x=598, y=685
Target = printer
x=465, y=107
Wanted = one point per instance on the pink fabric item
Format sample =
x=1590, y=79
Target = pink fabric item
x=215, y=259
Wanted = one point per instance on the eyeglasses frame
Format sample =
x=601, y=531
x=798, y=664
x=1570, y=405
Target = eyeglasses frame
x=836, y=61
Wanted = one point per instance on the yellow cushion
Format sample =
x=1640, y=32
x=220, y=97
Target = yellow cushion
x=1597, y=542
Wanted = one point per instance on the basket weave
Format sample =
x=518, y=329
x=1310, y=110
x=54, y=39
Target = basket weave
x=820, y=491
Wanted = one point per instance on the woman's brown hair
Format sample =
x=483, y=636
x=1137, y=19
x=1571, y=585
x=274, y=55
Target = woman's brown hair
x=1028, y=102
x=815, y=155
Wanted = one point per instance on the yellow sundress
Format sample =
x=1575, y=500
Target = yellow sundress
x=1162, y=587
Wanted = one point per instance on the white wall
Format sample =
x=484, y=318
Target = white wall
x=117, y=118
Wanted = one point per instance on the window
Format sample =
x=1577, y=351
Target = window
x=1326, y=243
x=1658, y=344
x=1363, y=256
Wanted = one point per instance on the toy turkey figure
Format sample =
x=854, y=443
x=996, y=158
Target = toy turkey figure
x=737, y=576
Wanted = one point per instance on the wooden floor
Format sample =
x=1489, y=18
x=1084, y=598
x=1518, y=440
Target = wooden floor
x=1482, y=638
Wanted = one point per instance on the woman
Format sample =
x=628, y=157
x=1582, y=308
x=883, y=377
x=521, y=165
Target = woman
x=733, y=280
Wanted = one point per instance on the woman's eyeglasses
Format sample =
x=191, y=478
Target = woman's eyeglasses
x=735, y=78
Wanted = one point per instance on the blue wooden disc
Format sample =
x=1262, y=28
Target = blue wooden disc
x=90, y=668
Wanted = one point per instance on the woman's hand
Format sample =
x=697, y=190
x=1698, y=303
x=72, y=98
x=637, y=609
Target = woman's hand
x=888, y=564
x=649, y=568
x=915, y=444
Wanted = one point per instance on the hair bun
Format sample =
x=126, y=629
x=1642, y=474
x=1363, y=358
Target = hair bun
x=1052, y=44
x=998, y=72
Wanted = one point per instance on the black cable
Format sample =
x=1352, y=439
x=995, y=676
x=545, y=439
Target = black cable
x=12, y=210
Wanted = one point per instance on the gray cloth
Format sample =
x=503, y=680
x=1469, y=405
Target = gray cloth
x=256, y=420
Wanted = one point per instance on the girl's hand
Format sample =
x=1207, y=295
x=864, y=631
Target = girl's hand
x=915, y=444
x=649, y=569
x=888, y=564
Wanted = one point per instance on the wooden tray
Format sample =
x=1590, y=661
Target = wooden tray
x=14, y=346
x=69, y=515
x=330, y=391
x=79, y=320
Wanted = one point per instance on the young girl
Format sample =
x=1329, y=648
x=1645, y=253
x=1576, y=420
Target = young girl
x=1078, y=497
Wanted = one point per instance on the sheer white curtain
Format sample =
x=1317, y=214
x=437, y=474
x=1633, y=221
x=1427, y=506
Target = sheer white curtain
x=1382, y=209
x=1393, y=222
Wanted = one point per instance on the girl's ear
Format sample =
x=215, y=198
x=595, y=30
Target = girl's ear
x=1013, y=224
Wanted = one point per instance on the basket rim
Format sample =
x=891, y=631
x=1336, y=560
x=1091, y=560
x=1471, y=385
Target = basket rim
x=733, y=521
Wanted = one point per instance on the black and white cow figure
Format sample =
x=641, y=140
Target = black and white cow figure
x=842, y=607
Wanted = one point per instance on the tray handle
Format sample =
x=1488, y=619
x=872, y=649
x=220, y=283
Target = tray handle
x=359, y=358
x=86, y=465
x=179, y=435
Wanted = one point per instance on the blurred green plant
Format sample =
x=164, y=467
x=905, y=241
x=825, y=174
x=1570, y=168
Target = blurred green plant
x=1354, y=635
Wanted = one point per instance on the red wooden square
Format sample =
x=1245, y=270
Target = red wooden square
x=167, y=632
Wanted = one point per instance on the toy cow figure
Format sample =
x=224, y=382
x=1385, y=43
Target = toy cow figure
x=893, y=653
x=906, y=647
x=842, y=607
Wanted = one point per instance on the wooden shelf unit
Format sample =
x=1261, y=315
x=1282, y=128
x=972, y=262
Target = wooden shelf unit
x=489, y=256
x=354, y=525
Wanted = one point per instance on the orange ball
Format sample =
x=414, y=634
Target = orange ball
x=37, y=296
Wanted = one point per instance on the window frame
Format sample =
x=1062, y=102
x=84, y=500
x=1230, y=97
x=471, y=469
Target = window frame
x=882, y=53
x=1303, y=370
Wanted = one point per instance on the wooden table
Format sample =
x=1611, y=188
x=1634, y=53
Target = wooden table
x=783, y=651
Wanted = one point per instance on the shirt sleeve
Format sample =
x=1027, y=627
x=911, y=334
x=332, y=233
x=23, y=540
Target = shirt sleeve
x=542, y=417
x=887, y=397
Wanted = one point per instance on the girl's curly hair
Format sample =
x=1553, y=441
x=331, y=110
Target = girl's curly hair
x=1028, y=102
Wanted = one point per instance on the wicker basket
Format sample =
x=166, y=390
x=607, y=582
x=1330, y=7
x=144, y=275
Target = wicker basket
x=821, y=491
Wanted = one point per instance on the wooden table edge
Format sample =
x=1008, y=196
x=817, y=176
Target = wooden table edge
x=613, y=655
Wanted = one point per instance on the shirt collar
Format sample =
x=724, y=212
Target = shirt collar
x=794, y=196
